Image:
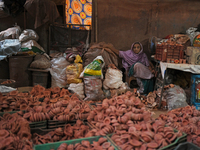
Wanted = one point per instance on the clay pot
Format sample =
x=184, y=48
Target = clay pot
x=86, y=144
x=152, y=145
x=107, y=120
x=95, y=144
x=106, y=145
x=4, y=133
x=135, y=142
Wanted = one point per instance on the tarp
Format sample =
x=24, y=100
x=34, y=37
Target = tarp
x=182, y=67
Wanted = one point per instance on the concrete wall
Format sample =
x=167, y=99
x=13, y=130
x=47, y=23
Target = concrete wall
x=124, y=22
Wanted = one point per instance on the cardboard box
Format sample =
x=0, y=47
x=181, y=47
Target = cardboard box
x=193, y=55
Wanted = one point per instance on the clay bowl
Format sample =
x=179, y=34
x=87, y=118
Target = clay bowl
x=4, y=133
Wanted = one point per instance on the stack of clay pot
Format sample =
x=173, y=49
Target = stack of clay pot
x=114, y=114
x=15, y=101
x=100, y=144
x=186, y=119
x=79, y=130
x=14, y=132
x=46, y=104
x=63, y=110
x=149, y=135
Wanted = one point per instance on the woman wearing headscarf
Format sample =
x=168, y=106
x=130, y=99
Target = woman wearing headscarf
x=136, y=63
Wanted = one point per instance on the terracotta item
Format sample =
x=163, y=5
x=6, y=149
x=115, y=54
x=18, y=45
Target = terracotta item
x=87, y=145
x=78, y=130
x=14, y=132
x=168, y=60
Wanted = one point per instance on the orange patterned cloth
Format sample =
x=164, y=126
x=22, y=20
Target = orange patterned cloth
x=79, y=12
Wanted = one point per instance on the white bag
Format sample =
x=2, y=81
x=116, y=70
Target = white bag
x=78, y=89
x=28, y=34
x=113, y=79
x=58, y=73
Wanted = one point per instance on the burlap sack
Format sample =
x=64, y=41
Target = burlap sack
x=107, y=51
x=41, y=62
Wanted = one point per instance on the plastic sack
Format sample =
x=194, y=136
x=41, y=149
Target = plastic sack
x=94, y=68
x=6, y=89
x=28, y=34
x=93, y=88
x=175, y=97
x=32, y=44
x=9, y=47
x=78, y=89
x=73, y=71
x=58, y=72
x=191, y=32
x=10, y=33
x=113, y=79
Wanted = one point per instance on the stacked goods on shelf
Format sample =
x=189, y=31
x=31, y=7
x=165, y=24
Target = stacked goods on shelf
x=169, y=50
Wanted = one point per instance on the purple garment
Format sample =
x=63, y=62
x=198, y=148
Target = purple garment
x=129, y=57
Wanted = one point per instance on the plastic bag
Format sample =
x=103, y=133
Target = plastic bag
x=9, y=47
x=78, y=89
x=28, y=34
x=93, y=88
x=58, y=72
x=113, y=79
x=175, y=97
x=10, y=33
x=191, y=32
x=73, y=71
x=6, y=89
x=32, y=45
x=94, y=68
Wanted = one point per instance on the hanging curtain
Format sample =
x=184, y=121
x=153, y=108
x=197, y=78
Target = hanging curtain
x=79, y=12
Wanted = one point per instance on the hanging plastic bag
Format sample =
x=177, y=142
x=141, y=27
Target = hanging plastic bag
x=73, y=71
x=93, y=88
x=175, y=97
x=94, y=68
x=113, y=79
x=28, y=34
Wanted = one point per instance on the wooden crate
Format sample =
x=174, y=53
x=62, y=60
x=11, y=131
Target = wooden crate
x=173, y=51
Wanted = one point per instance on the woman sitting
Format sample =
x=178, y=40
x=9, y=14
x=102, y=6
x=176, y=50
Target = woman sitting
x=136, y=63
